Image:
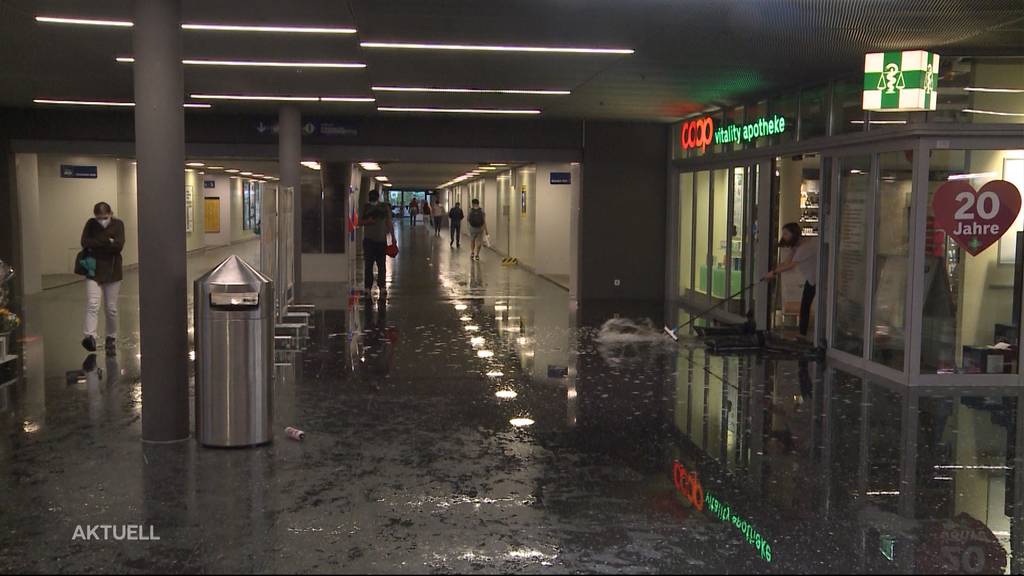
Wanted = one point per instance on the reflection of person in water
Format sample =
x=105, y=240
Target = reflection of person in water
x=378, y=340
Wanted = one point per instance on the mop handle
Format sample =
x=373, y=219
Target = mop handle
x=704, y=313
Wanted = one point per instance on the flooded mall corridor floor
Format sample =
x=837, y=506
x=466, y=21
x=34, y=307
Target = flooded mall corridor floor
x=476, y=423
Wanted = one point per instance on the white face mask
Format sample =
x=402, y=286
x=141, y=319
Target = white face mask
x=104, y=221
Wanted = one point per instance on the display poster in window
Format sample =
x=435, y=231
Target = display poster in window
x=976, y=218
x=246, y=191
x=189, y=208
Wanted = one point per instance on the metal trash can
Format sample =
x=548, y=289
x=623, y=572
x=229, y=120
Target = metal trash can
x=234, y=336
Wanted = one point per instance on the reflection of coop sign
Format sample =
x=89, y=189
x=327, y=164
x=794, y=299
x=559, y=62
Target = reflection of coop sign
x=900, y=81
x=688, y=485
x=976, y=219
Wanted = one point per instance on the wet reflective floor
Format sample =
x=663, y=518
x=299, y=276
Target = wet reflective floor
x=479, y=421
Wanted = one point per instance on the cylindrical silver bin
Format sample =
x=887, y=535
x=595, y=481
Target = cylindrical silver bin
x=234, y=336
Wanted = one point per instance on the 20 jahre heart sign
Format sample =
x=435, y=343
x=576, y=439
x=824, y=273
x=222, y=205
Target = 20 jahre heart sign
x=976, y=219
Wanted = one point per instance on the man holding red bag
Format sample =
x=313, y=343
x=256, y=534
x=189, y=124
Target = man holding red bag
x=377, y=226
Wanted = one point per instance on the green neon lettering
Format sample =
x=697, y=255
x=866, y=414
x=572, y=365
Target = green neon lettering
x=782, y=124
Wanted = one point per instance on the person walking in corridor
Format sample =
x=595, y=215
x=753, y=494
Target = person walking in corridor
x=102, y=242
x=804, y=257
x=414, y=209
x=455, y=216
x=377, y=227
x=477, y=229
x=437, y=211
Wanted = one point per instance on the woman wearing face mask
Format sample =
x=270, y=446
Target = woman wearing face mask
x=103, y=239
x=804, y=257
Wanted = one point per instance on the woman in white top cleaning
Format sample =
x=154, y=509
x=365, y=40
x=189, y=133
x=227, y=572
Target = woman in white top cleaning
x=804, y=257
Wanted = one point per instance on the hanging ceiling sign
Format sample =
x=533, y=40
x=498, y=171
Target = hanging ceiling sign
x=901, y=81
x=976, y=219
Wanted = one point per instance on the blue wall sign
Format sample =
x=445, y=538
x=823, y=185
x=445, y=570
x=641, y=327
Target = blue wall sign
x=75, y=171
x=209, y=183
x=561, y=178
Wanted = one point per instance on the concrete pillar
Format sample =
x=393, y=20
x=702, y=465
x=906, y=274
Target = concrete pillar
x=336, y=178
x=289, y=152
x=163, y=284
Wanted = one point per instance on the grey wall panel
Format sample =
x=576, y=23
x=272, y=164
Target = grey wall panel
x=623, y=200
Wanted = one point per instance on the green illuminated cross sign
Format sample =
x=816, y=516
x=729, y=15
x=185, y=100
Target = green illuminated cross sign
x=900, y=81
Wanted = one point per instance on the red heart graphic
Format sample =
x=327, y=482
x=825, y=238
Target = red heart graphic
x=976, y=219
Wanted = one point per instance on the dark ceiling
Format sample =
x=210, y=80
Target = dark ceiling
x=690, y=54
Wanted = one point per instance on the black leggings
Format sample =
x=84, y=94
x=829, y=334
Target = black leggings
x=374, y=253
x=805, y=307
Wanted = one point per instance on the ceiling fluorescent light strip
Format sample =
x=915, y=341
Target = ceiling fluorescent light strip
x=487, y=48
x=106, y=103
x=995, y=90
x=994, y=113
x=257, y=63
x=470, y=90
x=456, y=110
x=202, y=26
x=286, y=29
x=84, y=21
x=283, y=98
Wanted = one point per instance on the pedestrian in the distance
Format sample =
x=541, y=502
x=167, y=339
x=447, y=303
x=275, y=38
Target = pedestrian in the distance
x=102, y=242
x=414, y=209
x=437, y=211
x=455, y=216
x=477, y=229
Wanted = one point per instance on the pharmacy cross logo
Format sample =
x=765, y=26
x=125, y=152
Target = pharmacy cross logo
x=892, y=79
x=976, y=219
x=900, y=81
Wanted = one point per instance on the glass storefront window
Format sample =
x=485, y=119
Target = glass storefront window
x=786, y=106
x=892, y=258
x=734, y=116
x=851, y=254
x=703, y=243
x=814, y=112
x=847, y=106
x=736, y=237
x=972, y=303
x=685, y=233
x=719, y=263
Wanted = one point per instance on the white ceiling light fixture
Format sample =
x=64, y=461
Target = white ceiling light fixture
x=214, y=167
x=269, y=98
x=85, y=21
x=276, y=29
x=387, y=185
x=381, y=178
x=256, y=63
x=84, y=102
x=470, y=90
x=347, y=99
x=195, y=164
x=254, y=97
x=431, y=110
x=202, y=26
x=258, y=175
x=974, y=176
x=232, y=171
x=994, y=113
x=370, y=166
x=246, y=173
x=995, y=90
x=495, y=48
x=311, y=164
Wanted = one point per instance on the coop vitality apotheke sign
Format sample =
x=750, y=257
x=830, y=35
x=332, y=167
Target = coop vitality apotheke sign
x=701, y=132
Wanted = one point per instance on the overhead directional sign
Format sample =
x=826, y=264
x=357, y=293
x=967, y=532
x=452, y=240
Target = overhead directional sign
x=901, y=81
